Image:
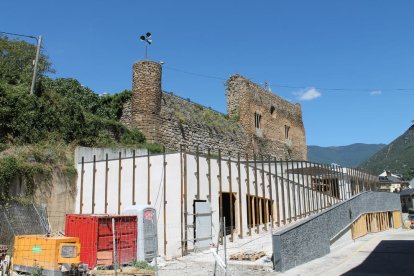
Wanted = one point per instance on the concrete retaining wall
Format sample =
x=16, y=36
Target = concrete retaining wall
x=310, y=239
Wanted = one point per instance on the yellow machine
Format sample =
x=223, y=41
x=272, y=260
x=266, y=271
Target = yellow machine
x=47, y=255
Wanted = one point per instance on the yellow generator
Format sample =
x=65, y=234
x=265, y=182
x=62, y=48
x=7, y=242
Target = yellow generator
x=46, y=255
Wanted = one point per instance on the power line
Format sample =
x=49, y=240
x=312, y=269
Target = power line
x=30, y=36
x=295, y=87
x=194, y=74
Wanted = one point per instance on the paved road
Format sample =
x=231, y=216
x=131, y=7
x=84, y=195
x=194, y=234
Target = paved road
x=386, y=253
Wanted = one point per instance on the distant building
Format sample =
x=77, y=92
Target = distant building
x=393, y=183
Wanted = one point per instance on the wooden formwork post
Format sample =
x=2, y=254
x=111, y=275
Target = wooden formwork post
x=288, y=191
x=331, y=187
x=283, y=192
x=209, y=173
x=299, y=189
x=198, y=173
x=352, y=182
x=327, y=197
x=256, y=195
x=265, y=211
x=277, y=194
x=326, y=175
x=358, y=181
x=81, y=185
x=182, y=198
x=308, y=191
x=134, y=166
x=269, y=175
x=185, y=203
x=336, y=184
x=366, y=179
x=240, y=197
x=93, y=184
x=249, y=200
x=149, y=178
x=312, y=176
x=322, y=192
x=119, y=182
x=305, y=210
x=361, y=175
x=220, y=186
x=319, y=202
x=164, y=163
x=106, y=182
x=231, y=195
x=294, y=189
x=341, y=183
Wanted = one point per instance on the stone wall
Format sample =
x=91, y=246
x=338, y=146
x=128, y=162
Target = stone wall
x=146, y=98
x=245, y=98
x=183, y=122
x=170, y=120
x=310, y=238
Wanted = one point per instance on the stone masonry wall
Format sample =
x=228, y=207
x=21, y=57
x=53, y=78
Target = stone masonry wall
x=171, y=120
x=183, y=122
x=245, y=98
x=146, y=98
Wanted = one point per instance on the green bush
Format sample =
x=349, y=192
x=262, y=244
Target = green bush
x=132, y=137
x=8, y=172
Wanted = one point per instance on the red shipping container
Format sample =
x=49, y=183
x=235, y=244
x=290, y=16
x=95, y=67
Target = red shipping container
x=96, y=238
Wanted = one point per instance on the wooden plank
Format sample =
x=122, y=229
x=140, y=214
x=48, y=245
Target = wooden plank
x=396, y=215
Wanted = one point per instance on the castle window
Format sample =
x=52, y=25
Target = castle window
x=257, y=120
x=287, y=128
x=272, y=109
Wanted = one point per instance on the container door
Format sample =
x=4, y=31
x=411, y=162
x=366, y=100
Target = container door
x=202, y=230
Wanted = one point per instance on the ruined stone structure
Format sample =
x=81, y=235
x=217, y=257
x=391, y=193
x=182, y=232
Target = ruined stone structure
x=258, y=121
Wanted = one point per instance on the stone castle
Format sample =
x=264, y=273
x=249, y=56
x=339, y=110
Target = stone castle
x=258, y=121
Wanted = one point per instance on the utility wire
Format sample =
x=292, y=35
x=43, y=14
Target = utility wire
x=30, y=36
x=194, y=74
x=294, y=87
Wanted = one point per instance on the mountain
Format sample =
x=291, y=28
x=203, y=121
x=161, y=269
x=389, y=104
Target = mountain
x=398, y=157
x=349, y=156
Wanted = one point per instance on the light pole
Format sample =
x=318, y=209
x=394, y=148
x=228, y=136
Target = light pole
x=39, y=43
x=146, y=38
x=36, y=61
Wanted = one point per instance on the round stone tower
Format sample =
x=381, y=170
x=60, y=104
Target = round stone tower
x=146, y=98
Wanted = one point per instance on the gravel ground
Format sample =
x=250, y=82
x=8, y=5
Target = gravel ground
x=202, y=263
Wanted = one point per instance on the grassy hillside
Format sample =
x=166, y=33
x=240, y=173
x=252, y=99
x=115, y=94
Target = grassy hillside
x=350, y=156
x=397, y=157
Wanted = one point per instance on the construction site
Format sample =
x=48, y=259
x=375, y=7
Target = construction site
x=230, y=194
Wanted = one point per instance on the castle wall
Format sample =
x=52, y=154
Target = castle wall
x=170, y=120
x=183, y=122
x=146, y=98
x=245, y=99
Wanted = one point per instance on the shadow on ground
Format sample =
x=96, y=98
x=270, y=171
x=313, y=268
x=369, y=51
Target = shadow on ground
x=388, y=258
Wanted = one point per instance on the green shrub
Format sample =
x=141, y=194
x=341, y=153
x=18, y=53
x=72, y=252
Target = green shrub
x=132, y=137
x=8, y=171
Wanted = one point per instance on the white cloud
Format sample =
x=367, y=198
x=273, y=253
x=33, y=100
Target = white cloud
x=375, y=92
x=307, y=94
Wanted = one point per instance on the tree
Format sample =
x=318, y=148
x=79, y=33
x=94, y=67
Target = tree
x=16, y=62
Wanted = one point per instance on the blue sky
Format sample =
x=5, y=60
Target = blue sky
x=308, y=48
